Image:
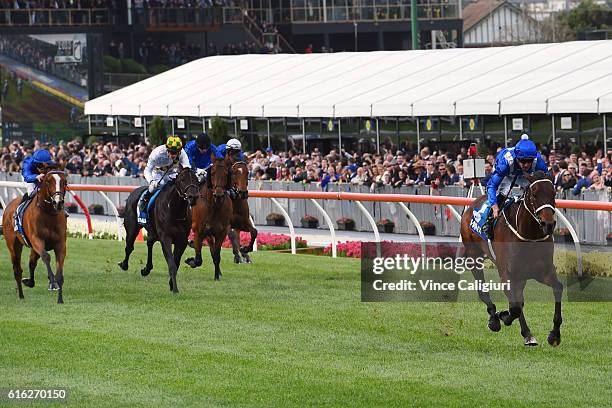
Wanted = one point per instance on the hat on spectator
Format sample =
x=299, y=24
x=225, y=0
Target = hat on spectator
x=268, y=149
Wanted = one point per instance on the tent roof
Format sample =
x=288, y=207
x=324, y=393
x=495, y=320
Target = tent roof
x=571, y=77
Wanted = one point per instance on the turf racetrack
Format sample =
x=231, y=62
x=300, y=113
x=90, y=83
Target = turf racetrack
x=285, y=331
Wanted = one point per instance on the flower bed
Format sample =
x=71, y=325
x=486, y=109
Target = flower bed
x=352, y=249
x=266, y=241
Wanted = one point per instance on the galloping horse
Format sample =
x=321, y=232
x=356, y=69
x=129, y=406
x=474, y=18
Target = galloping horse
x=523, y=249
x=169, y=222
x=211, y=216
x=44, y=225
x=241, y=220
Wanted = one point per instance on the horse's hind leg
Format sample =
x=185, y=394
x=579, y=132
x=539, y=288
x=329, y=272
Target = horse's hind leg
x=215, y=252
x=494, y=324
x=16, y=260
x=151, y=239
x=245, y=250
x=39, y=246
x=131, y=234
x=29, y=282
x=234, y=238
x=530, y=340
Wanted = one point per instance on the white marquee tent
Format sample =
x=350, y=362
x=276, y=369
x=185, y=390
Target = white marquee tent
x=572, y=77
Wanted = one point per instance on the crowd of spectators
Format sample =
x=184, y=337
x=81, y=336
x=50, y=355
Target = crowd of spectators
x=87, y=160
x=55, y=4
x=572, y=172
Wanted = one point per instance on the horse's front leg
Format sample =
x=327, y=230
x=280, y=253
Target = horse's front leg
x=151, y=239
x=198, y=237
x=166, y=244
x=60, y=255
x=515, y=302
x=554, y=337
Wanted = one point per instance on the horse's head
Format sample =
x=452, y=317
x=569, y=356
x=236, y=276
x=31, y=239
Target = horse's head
x=540, y=200
x=53, y=188
x=187, y=185
x=220, y=179
x=240, y=178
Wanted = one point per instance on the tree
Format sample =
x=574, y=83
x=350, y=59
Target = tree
x=218, y=131
x=566, y=25
x=157, y=131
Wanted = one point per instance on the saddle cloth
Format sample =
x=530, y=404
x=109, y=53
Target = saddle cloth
x=18, y=221
x=144, y=217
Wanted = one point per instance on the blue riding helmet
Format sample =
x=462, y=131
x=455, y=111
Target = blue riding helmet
x=42, y=157
x=525, y=149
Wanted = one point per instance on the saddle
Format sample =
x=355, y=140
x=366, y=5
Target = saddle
x=18, y=220
x=481, y=215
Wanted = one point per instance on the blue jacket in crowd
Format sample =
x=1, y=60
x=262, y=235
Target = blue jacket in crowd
x=196, y=159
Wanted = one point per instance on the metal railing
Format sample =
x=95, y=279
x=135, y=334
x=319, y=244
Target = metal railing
x=177, y=18
x=254, y=30
x=56, y=17
x=348, y=13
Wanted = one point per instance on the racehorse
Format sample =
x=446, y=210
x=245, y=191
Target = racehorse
x=211, y=217
x=523, y=249
x=44, y=225
x=241, y=220
x=169, y=222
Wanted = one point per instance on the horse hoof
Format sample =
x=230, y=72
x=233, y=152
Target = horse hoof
x=190, y=243
x=248, y=260
x=145, y=271
x=60, y=301
x=504, y=316
x=53, y=286
x=237, y=260
x=123, y=265
x=28, y=282
x=554, y=339
x=494, y=324
x=531, y=341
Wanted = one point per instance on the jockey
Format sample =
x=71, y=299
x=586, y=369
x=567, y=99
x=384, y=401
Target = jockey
x=161, y=168
x=32, y=171
x=199, y=152
x=233, y=149
x=510, y=165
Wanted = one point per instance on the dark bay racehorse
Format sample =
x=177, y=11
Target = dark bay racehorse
x=44, y=224
x=169, y=222
x=211, y=216
x=523, y=249
x=241, y=220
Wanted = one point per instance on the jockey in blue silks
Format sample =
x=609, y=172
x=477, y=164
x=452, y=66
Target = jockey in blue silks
x=510, y=165
x=199, y=152
x=233, y=149
x=32, y=171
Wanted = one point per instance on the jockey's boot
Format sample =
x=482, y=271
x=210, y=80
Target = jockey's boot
x=25, y=198
x=487, y=228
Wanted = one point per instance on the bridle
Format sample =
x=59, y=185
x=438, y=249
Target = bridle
x=228, y=182
x=532, y=212
x=60, y=194
x=183, y=194
x=244, y=194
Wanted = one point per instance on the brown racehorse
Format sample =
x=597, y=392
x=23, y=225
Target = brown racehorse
x=212, y=214
x=241, y=220
x=44, y=224
x=523, y=249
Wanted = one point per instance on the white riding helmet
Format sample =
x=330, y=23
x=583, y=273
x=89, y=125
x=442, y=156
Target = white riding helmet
x=234, y=144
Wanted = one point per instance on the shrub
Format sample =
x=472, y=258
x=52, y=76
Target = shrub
x=111, y=64
x=158, y=69
x=274, y=217
x=96, y=209
x=129, y=66
x=71, y=207
x=385, y=221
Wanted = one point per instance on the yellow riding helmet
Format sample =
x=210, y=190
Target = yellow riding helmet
x=174, y=144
